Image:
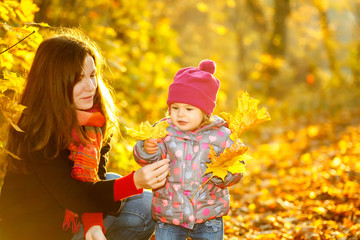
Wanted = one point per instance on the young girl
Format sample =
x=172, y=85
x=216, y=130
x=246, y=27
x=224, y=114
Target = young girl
x=191, y=132
x=68, y=124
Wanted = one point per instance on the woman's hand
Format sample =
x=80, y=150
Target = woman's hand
x=152, y=176
x=151, y=145
x=95, y=233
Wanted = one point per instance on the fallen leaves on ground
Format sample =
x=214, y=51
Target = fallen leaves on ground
x=304, y=184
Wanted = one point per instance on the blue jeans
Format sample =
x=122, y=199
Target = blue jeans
x=134, y=221
x=209, y=230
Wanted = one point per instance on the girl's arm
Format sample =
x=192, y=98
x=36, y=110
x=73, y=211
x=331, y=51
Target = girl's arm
x=229, y=180
x=149, y=151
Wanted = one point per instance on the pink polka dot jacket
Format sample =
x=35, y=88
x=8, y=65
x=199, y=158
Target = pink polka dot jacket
x=188, y=152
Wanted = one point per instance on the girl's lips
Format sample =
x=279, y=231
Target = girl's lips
x=182, y=122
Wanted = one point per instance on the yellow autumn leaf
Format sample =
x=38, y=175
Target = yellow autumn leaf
x=15, y=126
x=148, y=131
x=246, y=115
x=10, y=153
x=228, y=161
x=11, y=110
x=11, y=82
x=28, y=8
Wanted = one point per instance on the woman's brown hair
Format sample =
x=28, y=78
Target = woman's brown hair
x=50, y=115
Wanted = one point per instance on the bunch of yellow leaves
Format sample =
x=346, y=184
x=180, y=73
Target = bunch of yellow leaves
x=230, y=160
x=246, y=115
x=148, y=131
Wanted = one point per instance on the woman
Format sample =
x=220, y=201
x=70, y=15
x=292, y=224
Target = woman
x=61, y=173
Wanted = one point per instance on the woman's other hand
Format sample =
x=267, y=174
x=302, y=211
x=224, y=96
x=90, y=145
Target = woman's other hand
x=95, y=233
x=152, y=176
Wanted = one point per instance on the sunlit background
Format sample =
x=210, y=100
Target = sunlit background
x=299, y=58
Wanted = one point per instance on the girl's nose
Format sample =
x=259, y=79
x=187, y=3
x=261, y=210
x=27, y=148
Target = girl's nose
x=180, y=112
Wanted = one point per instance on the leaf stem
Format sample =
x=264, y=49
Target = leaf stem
x=202, y=185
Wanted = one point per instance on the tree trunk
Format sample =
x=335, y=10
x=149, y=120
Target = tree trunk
x=257, y=14
x=41, y=15
x=275, y=49
x=328, y=44
x=355, y=68
x=277, y=43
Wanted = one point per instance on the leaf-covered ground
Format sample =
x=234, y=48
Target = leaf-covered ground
x=304, y=184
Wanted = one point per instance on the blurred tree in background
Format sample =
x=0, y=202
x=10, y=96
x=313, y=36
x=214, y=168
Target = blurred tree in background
x=300, y=58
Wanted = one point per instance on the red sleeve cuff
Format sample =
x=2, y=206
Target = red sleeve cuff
x=125, y=187
x=92, y=219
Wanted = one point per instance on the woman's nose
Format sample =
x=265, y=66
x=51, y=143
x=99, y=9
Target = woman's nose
x=90, y=84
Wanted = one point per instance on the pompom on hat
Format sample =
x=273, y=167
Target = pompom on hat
x=196, y=86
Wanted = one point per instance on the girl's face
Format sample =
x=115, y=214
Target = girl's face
x=186, y=117
x=85, y=89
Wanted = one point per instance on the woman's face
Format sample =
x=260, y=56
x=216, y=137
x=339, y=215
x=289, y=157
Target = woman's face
x=85, y=89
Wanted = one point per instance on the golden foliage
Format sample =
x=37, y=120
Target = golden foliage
x=302, y=184
x=17, y=50
x=148, y=131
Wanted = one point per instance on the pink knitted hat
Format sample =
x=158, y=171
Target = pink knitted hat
x=195, y=86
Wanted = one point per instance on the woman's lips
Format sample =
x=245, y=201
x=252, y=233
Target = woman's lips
x=88, y=98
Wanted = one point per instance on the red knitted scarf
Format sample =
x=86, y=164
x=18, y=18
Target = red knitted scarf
x=86, y=158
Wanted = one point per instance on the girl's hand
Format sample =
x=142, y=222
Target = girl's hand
x=95, y=233
x=152, y=176
x=151, y=145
